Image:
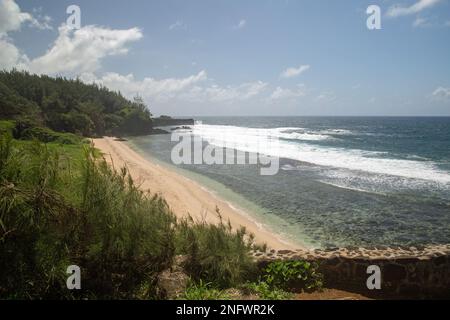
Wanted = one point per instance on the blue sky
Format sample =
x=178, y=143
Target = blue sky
x=248, y=57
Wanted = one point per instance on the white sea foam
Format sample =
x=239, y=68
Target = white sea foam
x=296, y=134
x=249, y=140
x=291, y=133
x=381, y=183
x=344, y=186
x=343, y=132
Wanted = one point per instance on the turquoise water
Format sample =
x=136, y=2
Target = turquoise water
x=342, y=181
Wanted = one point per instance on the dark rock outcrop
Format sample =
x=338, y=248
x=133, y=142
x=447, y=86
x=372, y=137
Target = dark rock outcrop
x=172, y=282
x=165, y=121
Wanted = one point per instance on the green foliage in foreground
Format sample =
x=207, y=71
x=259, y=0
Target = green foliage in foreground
x=53, y=215
x=216, y=253
x=6, y=127
x=289, y=275
x=280, y=278
x=266, y=292
x=203, y=291
x=62, y=205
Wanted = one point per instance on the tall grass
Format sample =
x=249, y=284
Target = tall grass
x=61, y=208
x=216, y=253
x=33, y=220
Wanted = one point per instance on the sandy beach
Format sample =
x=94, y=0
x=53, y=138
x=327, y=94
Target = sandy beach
x=183, y=195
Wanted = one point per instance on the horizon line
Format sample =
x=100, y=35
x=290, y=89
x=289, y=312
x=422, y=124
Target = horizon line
x=310, y=116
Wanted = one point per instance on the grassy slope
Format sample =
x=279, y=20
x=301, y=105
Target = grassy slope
x=62, y=205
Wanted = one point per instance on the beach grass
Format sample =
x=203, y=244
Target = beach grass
x=63, y=205
x=216, y=253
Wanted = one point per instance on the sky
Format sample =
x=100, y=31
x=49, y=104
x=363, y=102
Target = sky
x=246, y=57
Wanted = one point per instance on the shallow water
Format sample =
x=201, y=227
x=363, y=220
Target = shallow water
x=342, y=181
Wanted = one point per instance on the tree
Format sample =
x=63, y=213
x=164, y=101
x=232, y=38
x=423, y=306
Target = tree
x=71, y=105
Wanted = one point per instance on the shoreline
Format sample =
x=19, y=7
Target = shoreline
x=183, y=195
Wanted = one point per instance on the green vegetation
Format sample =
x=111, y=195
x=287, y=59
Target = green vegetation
x=26, y=130
x=62, y=205
x=65, y=105
x=55, y=212
x=266, y=292
x=6, y=127
x=203, y=291
x=163, y=121
x=216, y=253
x=280, y=278
x=288, y=275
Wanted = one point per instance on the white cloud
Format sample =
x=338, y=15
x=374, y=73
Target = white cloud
x=41, y=21
x=149, y=88
x=80, y=53
x=420, y=22
x=327, y=96
x=81, y=50
x=252, y=89
x=74, y=51
x=242, y=23
x=227, y=94
x=293, y=72
x=285, y=93
x=185, y=89
x=11, y=17
x=177, y=25
x=10, y=55
x=399, y=10
x=441, y=93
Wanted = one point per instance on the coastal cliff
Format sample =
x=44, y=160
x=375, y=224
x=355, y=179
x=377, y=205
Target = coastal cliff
x=164, y=121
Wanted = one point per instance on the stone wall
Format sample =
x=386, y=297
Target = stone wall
x=406, y=272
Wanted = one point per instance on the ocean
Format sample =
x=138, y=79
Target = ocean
x=343, y=181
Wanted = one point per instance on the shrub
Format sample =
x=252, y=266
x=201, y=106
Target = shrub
x=6, y=127
x=62, y=205
x=203, y=291
x=128, y=236
x=266, y=292
x=52, y=216
x=33, y=219
x=47, y=135
x=25, y=130
x=216, y=253
x=293, y=275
